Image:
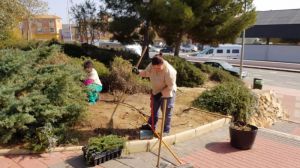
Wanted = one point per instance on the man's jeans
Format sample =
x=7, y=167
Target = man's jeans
x=157, y=103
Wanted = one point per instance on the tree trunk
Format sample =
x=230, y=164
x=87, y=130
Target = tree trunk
x=177, y=45
x=28, y=29
x=146, y=39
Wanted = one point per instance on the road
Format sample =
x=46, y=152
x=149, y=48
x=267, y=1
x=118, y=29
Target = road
x=275, y=78
x=293, y=67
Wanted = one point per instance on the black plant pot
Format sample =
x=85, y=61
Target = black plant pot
x=101, y=157
x=242, y=139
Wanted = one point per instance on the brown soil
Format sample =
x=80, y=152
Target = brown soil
x=102, y=118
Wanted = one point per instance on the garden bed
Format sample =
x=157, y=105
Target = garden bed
x=129, y=115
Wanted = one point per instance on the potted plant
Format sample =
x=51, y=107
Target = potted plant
x=242, y=134
x=101, y=149
x=232, y=98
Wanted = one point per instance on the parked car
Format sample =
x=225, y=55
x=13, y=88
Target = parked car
x=229, y=51
x=167, y=50
x=227, y=67
x=134, y=48
x=188, y=48
x=154, y=49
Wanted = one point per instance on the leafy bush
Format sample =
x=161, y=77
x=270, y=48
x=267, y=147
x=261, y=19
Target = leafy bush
x=220, y=75
x=228, y=99
x=122, y=79
x=40, y=90
x=216, y=74
x=24, y=44
x=205, y=68
x=103, y=144
x=106, y=56
x=102, y=70
x=187, y=74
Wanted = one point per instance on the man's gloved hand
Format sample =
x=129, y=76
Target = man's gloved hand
x=135, y=70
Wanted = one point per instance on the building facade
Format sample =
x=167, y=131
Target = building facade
x=42, y=27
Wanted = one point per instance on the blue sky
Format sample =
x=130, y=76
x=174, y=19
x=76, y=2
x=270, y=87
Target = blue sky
x=59, y=7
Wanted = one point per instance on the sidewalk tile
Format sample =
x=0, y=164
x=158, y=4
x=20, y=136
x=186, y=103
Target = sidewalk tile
x=265, y=153
x=28, y=161
x=8, y=163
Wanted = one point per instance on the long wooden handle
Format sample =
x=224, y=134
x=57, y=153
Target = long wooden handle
x=161, y=130
x=143, y=53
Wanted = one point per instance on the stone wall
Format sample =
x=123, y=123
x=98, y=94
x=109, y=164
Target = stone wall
x=268, y=109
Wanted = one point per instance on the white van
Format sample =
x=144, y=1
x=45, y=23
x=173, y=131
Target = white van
x=229, y=51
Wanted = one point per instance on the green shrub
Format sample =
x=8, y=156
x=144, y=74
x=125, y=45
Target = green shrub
x=73, y=50
x=24, y=44
x=188, y=75
x=39, y=90
x=228, y=99
x=102, y=144
x=216, y=74
x=220, y=75
x=106, y=56
x=205, y=68
x=102, y=70
x=122, y=79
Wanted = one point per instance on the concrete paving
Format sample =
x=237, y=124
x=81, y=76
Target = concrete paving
x=211, y=150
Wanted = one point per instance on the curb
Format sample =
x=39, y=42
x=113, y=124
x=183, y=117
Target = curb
x=4, y=152
x=252, y=66
x=149, y=145
x=268, y=68
x=136, y=145
x=281, y=134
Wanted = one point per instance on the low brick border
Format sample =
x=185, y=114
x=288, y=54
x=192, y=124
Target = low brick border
x=138, y=145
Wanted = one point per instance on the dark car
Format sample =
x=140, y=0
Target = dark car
x=166, y=50
x=226, y=66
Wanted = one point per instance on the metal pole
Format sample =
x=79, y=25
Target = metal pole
x=68, y=11
x=162, y=129
x=243, y=47
x=242, y=54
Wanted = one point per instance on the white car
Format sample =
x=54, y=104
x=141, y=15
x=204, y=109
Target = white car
x=188, y=48
x=154, y=49
x=135, y=48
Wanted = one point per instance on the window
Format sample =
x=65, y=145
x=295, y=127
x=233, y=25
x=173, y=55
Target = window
x=228, y=52
x=51, y=29
x=235, y=51
x=219, y=51
x=210, y=51
x=39, y=27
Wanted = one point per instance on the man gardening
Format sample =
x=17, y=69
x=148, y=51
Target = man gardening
x=163, y=80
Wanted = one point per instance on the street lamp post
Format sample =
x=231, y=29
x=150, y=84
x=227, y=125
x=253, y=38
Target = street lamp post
x=243, y=47
x=146, y=34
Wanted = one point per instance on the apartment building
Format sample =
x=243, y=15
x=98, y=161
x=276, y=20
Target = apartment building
x=42, y=27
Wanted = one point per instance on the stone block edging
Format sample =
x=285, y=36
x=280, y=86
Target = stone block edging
x=138, y=145
x=149, y=145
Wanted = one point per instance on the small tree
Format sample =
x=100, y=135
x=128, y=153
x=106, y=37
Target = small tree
x=10, y=13
x=90, y=21
x=172, y=20
x=32, y=8
x=220, y=21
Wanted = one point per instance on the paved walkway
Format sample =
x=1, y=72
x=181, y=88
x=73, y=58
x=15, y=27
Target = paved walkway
x=287, y=127
x=211, y=150
x=290, y=99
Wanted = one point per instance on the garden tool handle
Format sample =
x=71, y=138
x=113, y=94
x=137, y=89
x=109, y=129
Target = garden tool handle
x=143, y=53
x=162, y=128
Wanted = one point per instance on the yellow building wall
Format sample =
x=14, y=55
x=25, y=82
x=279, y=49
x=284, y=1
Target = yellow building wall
x=40, y=28
x=45, y=36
